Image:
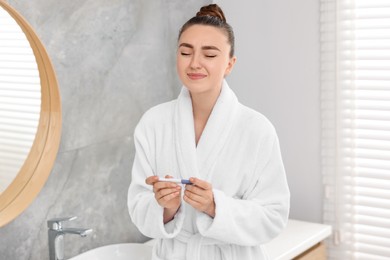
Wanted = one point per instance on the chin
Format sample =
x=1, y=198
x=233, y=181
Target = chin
x=197, y=86
x=192, y=84
x=194, y=89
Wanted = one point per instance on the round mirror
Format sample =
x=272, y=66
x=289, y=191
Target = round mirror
x=20, y=99
x=30, y=114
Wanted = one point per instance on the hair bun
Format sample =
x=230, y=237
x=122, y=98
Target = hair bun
x=212, y=10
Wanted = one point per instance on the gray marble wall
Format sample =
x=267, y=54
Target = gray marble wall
x=114, y=60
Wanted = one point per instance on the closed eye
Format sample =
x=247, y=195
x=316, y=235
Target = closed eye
x=211, y=56
x=185, y=54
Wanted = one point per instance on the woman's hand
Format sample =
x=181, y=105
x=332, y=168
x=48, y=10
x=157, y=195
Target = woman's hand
x=167, y=195
x=200, y=196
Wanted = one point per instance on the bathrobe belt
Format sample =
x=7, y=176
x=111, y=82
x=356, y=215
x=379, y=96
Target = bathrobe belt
x=196, y=241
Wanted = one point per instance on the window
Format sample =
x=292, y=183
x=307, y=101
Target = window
x=355, y=110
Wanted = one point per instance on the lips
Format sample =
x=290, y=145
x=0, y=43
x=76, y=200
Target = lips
x=196, y=76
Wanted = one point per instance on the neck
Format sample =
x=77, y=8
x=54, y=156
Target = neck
x=203, y=103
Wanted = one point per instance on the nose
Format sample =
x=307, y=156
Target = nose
x=195, y=62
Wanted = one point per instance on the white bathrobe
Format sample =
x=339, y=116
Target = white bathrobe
x=238, y=153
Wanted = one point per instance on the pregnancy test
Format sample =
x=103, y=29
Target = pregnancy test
x=182, y=181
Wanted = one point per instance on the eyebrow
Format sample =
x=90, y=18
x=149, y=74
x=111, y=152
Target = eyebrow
x=203, y=47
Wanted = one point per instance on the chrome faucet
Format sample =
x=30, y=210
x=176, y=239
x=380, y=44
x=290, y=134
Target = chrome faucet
x=56, y=236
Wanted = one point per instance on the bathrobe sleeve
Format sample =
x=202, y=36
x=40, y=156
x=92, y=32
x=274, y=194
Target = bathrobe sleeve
x=262, y=212
x=144, y=210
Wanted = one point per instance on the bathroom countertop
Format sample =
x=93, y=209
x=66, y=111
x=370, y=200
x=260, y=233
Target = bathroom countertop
x=296, y=238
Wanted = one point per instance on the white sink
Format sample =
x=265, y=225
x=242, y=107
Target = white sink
x=297, y=237
x=129, y=251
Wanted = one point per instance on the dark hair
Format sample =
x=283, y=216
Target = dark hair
x=212, y=15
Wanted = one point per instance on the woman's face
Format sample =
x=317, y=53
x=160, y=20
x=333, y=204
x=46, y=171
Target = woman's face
x=203, y=58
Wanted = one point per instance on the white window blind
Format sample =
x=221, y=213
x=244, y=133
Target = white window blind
x=355, y=108
x=20, y=98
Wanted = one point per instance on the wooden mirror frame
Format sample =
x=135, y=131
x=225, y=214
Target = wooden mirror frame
x=40, y=160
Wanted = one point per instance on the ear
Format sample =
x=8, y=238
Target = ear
x=230, y=66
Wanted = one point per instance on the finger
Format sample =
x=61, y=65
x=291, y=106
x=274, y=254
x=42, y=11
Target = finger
x=205, y=195
x=195, y=204
x=164, y=192
x=151, y=180
x=208, y=208
x=195, y=189
x=164, y=185
x=200, y=183
x=194, y=197
x=168, y=197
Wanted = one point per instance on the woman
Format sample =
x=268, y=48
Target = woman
x=238, y=198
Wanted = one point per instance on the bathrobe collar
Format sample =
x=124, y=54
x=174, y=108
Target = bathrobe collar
x=197, y=161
